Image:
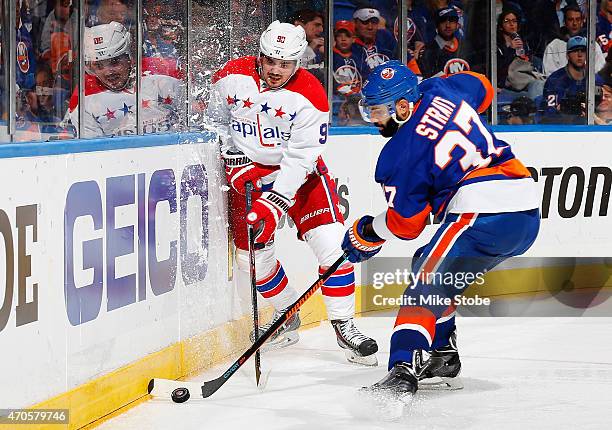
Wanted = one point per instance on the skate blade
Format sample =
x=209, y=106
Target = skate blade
x=281, y=342
x=441, y=383
x=263, y=380
x=380, y=405
x=368, y=360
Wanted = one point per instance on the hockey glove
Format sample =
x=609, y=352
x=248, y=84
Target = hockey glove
x=359, y=245
x=239, y=170
x=268, y=209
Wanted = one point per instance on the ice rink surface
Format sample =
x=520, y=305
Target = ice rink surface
x=532, y=373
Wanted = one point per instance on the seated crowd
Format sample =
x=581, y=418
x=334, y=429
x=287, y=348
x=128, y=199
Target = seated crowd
x=542, y=50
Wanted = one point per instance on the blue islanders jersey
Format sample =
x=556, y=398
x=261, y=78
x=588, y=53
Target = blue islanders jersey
x=603, y=31
x=381, y=51
x=26, y=61
x=445, y=160
x=561, y=86
x=350, y=70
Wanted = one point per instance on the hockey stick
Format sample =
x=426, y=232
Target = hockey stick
x=163, y=386
x=210, y=387
x=249, y=202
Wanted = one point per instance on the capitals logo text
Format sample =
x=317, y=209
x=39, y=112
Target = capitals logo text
x=247, y=128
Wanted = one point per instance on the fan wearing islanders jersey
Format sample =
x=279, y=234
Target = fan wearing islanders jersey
x=349, y=61
x=110, y=97
x=603, y=28
x=378, y=45
x=272, y=118
x=441, y=159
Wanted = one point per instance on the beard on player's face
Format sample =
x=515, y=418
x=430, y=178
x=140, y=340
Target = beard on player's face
x=387, y=128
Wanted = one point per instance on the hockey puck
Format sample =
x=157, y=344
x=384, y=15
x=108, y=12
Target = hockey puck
x=180, y=395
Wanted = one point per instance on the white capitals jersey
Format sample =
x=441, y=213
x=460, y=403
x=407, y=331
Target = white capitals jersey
x=286, y=127
x=113, y=113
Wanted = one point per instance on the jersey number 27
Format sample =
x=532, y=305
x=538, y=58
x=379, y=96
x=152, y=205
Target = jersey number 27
x=465, y=119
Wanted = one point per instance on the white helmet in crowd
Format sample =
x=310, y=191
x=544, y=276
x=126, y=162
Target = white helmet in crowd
x=106, y=41
x=283, y=41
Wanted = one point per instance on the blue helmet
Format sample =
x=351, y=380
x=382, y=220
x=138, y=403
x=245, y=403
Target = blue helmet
x=390, y=82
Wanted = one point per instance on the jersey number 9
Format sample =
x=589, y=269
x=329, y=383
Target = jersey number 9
x=323, y=132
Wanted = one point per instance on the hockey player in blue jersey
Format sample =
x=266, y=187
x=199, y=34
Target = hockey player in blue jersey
x=440, y=160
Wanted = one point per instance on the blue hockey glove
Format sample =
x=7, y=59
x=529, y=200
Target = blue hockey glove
x=359, y=245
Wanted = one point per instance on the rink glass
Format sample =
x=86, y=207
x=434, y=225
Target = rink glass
x=532, y=101
x=42, y=59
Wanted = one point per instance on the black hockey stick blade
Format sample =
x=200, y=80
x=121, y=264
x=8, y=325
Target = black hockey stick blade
x=210, y=387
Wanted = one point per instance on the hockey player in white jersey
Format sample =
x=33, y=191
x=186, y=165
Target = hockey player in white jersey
x=272, y=117
x=110, y=97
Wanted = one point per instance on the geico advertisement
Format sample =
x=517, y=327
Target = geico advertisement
x=124, y=240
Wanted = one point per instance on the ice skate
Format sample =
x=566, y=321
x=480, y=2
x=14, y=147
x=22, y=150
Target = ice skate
x=358, y=348
x=440, y=368
x=285, y=336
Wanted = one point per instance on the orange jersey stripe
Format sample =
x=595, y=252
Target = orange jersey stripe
x=488, y=89
x=407, y=228
x=511, y=168
x=417, y=315
x=447, y=239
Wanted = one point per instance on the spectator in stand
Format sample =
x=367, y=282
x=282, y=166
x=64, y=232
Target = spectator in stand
x=62, y=68
x=61, y=19
x=171, y=28
x=604, y=26
x=555, y=55
x=110, y=98
x=26, y=59
x=46, y=100
x=515, y=70
x=61, y=60
x=428, y=12
x=379, y=45
x=39, y=12
x=121, y=11
x=26, y=103
x=442, y=56
x=163, y=31
x=25, y=120
x=521, y=111
x=565, y=89
x=605, y=74
x=415, y=30
x=603, y=111
x=312, y=23
x=350, y=68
